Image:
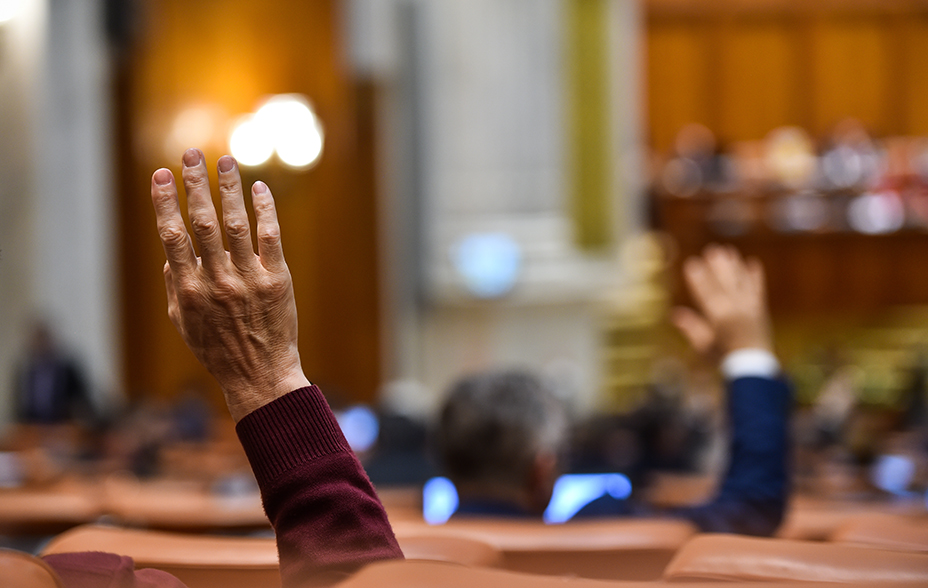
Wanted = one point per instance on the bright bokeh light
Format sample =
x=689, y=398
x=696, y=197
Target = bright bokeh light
x=876, y=213
x=571, y=493
x=196, y=125
x=893, y=473
x=12, y=470
x=251, y=143
x=360, y=426
x=9, y=9
x=294, y=129
x=574, y=491
x=806, y=211
x=439, y=500
x=489, y=263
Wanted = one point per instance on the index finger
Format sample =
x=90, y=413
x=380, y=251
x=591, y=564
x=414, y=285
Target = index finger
x=171, y=228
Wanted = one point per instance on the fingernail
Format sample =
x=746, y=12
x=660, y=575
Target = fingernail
x=226, y=164
x=260, y=187
x=192, y=157
x=162, y=177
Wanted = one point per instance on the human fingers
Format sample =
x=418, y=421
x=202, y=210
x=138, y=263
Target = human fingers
x=234, y=216
x=269, y=247
x=172, y=296
x=171, y=229
x=203, y=220
x=724, y=262
x=702, y=284
x=695, y=328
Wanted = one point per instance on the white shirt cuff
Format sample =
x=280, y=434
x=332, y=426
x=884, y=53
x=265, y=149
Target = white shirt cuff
x=747, y=362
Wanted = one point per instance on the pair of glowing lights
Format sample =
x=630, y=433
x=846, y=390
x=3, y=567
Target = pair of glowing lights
x=284, y=125
x=9, y=9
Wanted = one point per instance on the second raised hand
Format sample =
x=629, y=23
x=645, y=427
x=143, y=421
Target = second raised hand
x=730, y=295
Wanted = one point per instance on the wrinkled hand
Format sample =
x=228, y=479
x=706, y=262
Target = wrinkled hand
x=730, y=294
x=234, y=309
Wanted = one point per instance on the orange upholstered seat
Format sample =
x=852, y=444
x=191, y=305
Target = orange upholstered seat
x=885, y=532
x=200, y=561
x=736, y=558
x=616, y=549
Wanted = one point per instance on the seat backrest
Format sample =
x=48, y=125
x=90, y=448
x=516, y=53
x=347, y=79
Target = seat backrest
x=625, y=549
x=462, y=550
x=736, y=558
x=49, y=509
x=670, y=489
x=180, y=506
x=425, y=574
x=21, y=570
x=813, y=519
x=200, y=561
x=884, y=531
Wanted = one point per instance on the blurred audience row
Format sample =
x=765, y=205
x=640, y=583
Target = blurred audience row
x=848, y=181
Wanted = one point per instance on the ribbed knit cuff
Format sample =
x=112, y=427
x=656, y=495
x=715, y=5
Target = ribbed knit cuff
x=289, y=431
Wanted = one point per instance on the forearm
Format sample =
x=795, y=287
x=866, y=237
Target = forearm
x=753, y=493
x=323, y=508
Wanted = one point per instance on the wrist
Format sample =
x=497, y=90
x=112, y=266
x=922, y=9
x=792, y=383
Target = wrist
x=750, y=361
x=246, y=399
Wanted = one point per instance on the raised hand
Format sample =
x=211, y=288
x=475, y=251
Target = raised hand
x=234, y=309
x=730, y=295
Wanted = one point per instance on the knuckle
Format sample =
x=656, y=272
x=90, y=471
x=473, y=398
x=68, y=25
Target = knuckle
x=188, y=292
x=276, y=285
x=230, y=188
x=263, y=206
x=237, y=229
x=172, y=235
x=270, y=235
x=195, y=178
x=204, y=226
x=225, y=289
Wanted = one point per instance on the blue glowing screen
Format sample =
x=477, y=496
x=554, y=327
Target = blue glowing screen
x=571, y=493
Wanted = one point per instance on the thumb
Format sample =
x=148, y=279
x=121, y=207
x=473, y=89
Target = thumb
x=695, y=328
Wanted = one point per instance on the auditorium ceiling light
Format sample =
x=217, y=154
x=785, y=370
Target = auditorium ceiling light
x=250, y=142
x=285, y=125
x=9, y=9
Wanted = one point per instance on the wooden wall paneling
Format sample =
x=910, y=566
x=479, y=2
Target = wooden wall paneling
x=758, y=78
x=810, y=273
x=229, y=55
x=679, y=88
x=808, y=8
x=915, y=50
x=851, y=60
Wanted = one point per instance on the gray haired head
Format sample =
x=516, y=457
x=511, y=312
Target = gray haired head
x=493, y=426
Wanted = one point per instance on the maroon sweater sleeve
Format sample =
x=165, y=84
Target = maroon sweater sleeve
x=323, y=507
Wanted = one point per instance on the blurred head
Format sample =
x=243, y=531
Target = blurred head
x=500, y=436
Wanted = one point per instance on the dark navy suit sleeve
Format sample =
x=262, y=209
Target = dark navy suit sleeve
x=752, y=497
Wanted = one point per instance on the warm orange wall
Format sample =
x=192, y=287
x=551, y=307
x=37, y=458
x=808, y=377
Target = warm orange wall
x=229, y=54
x=745, y=67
